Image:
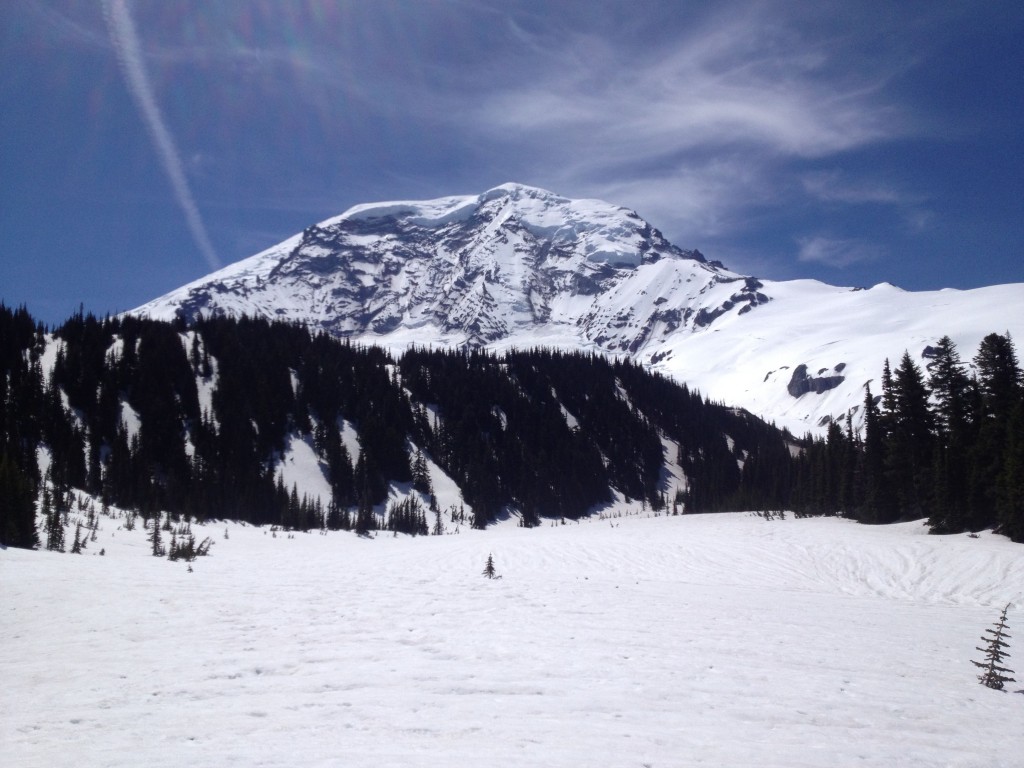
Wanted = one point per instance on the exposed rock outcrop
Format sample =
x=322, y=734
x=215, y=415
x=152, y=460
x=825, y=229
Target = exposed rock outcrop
x=800, y=383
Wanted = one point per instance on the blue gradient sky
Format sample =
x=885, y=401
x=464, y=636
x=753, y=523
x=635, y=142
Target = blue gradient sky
x=142, y=143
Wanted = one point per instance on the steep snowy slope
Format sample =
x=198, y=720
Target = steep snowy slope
x=519, y=267
x=716, y=640
x=805, y=357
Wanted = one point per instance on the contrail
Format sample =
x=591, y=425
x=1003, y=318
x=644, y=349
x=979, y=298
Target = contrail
x=129, y=55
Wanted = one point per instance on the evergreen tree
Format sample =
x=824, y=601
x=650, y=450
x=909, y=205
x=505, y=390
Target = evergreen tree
x=54, y=524
x=366, y=519
x=951, y=392
x=438, y=529
x=17, y=507
x=420, y=474
x=1010, y=505
x=999, y=376
x=76, y=548
x=888, y=406
x=994, y=675
x=877, y=506
x=909, y=440
x=155, y=538
x=999, y=394
x=489, y=570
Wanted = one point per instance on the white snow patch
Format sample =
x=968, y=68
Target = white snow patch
x=48, y=359
x=43, y=459
x=130, y=419
x=718, y=640
x=300, y=466
x=349, y=438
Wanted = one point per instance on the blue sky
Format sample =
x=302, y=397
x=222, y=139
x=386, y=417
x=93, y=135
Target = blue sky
x=144, y=143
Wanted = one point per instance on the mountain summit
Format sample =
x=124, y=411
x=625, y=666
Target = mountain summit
x=478, y=271
x=519, y=266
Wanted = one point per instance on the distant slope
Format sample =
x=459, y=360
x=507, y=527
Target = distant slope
x=805, y=357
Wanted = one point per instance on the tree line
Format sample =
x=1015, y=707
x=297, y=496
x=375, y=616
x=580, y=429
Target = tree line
x=194, y=421
x=945, y=443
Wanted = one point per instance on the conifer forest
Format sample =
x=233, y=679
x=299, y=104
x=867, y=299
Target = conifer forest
x=191, y=421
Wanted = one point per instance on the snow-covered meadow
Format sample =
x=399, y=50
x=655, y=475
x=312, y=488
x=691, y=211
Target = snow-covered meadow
x=722, y=640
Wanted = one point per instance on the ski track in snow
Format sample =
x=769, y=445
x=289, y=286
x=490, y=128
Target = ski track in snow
x=719, y=640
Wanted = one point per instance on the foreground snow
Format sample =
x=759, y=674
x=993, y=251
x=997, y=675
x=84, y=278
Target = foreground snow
x=716, y=640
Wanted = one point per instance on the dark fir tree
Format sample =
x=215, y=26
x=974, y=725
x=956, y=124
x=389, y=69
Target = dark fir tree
x=999, y=394
x=993, y=674
x=951, y=393
x=17, y=507
x=489, y=570
x=908, y=454
x=76, y=547
x=420, y=474
x=155, y=538
x=999, y=375
x=54, y=523
x=1010, y=506
x=877, y=505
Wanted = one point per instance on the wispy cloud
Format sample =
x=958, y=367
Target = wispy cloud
x=836, y=253
x=709, y=127
x=708, y=123
x=741, y=81
x=919, y=219
x=693, y=128
x=699, y=196
x=832, y=186
x=129, y=54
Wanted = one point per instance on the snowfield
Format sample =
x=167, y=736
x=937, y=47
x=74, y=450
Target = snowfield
x=718, y=640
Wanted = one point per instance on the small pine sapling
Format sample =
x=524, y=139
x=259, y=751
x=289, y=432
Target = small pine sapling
x=994, y=675
x=489, y=570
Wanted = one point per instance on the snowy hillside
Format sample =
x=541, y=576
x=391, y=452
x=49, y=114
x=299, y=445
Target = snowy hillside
x=722, y=640
x=521, y=267
x=841, y=337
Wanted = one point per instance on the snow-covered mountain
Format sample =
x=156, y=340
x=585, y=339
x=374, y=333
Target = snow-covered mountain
x=520, y=267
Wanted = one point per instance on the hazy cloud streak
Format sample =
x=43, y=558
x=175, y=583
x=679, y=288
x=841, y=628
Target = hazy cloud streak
x=830, y=186
x=697, y=128
x=836, y=253
x=129, y=55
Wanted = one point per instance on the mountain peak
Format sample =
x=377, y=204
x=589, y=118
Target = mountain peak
x=519, y=266
x=472, y=269
x=516, y=191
